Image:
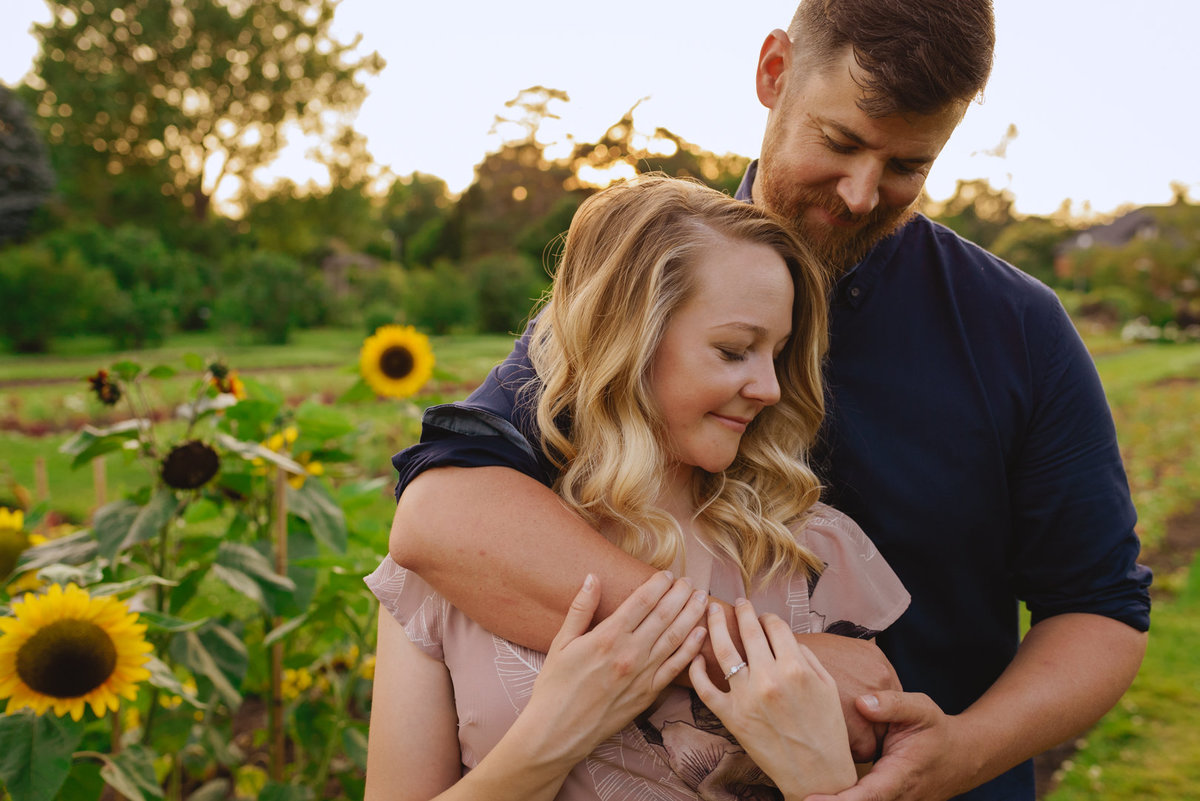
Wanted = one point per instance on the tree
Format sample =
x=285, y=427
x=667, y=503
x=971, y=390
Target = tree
x=199, y=91
x=976, y=211
x=26, y=178
x=417, y=210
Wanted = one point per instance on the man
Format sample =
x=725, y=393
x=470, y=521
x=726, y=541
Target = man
x=967, y=433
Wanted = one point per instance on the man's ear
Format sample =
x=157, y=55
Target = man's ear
x=774, y=60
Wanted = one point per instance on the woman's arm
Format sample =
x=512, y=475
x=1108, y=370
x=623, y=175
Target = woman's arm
x=592, y=684
x=507, y=551
x=782, y=705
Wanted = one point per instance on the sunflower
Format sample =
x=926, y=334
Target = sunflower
x=396, y=360
x=228, y=383
x=13, y=539
x=190, y=465
x=107, y=390
x=64, y=650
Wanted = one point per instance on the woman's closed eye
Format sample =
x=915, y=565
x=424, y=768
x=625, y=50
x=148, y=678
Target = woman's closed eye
x=732, y=354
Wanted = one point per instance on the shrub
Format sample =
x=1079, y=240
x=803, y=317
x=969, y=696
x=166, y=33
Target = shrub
x=270, y=293
x=506, y=286
x=43, y=295
x=440, y=300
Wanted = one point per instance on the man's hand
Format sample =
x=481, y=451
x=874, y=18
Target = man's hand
x=859, y=668
x=914, y=766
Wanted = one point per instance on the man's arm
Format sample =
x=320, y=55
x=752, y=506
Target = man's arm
x=1069, y=671
x=503, y=548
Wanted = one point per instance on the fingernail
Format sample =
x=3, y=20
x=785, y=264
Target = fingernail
x=699, y=595
x=699, y=634
x=714, y=609
x=669, y=574
x=871, y=702
x=740, y=601
x=589, y=582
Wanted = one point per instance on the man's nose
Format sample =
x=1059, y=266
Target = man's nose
x=859, y=187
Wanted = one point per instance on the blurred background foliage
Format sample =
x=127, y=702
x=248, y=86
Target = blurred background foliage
x=138, y=113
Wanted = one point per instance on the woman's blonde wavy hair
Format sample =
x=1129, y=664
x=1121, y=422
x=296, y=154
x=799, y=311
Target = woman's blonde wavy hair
x=624, y=270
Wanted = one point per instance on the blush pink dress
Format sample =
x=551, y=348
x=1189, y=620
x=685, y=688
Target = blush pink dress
x=678, y=749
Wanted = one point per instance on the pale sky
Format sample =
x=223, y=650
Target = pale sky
x=1104, y=93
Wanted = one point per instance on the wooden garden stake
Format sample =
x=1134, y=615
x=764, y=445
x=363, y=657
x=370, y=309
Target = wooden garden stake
x=41, y=482
x=100, y=481
x=276, y=716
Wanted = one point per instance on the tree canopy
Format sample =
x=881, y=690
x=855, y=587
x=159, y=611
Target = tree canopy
x=190, y=94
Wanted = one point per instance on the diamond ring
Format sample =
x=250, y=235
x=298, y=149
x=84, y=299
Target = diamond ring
x=735, y=669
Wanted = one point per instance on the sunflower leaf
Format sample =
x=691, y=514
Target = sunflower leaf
x=164, y=622
x=73, y=549
x=319, y=422
x=279, y=632
x=162, y=677
x=131, y=773
x=133, y=585
x=285, y=792
x=216, y=654
x=161, y=371
x=313, y=504
x=359, y=392
x=256, y=450
x=35, y=754
x=127, y=370
x=195, y=362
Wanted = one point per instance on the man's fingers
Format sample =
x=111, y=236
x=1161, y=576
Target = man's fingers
x=883, y=783
x=894, y=707
x=580, y=614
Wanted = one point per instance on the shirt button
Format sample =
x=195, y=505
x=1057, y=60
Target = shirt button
x=855, y=292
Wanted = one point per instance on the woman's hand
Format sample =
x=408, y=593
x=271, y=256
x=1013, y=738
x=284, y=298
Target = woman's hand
x=595, y=682
x=782, y=705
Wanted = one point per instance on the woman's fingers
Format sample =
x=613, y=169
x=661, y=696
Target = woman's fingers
x=724, y=650
x=754, y=640
x=579, y=615
x=643, y=601
x=680, y=625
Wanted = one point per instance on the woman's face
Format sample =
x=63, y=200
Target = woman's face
x=715, y=368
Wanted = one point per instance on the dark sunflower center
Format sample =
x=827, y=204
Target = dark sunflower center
x=67, y=659
x=396, y=362
x=190, y=465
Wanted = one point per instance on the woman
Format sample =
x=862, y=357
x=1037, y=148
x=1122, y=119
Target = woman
x=677, y=388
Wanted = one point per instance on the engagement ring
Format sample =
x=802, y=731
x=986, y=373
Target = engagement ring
x=734, y=669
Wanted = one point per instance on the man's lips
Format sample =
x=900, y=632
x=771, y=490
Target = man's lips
x=843, y=220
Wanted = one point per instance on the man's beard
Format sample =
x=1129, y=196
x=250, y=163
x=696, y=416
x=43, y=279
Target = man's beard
x=840, y=248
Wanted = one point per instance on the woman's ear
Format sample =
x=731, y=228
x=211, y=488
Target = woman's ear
x=774, y=60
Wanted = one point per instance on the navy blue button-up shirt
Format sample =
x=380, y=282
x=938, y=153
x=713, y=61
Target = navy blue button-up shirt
x=966, y=432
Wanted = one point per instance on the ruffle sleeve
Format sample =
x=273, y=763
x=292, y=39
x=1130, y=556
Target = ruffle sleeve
x=858, y=594
x=414, y=603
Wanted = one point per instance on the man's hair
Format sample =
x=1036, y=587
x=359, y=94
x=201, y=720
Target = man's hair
x=918, y=56
x=625, y=269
